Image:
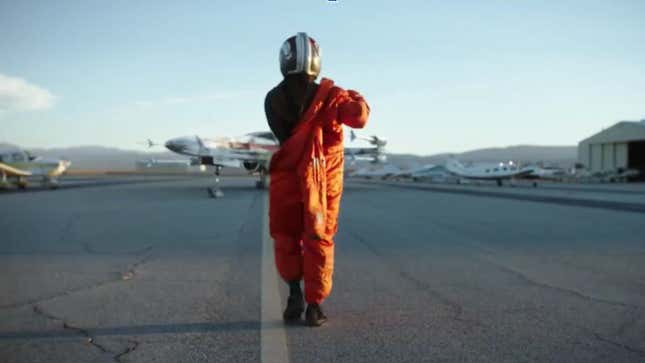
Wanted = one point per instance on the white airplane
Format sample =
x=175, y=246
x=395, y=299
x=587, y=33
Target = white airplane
x=411, y=173
x=487, y=171
x=546, y=173
x=431, y=172
x=18, y=166
x=252, y=152
x=381, y=173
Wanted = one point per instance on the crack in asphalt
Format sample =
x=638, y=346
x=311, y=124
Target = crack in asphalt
x=532, y=313
x=131, y=272
x=473, y=243
x=60, y=294
x=629, y=322
x=67, y=326
x=131, y=348
x=90, y=339
x=484, y=250
x=626, y=347
x=127, y=275
x=527, y=280
x=456, y=308
x=116, y=356
x=575, y=293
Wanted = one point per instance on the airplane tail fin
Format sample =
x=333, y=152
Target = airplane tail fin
x=373, y=140
x=453, y=164
x=200, y=142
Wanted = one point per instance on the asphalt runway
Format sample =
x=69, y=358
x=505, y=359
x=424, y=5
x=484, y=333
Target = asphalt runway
x=154, y=271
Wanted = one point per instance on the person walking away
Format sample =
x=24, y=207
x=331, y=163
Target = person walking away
x=307, y=173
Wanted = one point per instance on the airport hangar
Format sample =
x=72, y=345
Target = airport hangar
x=621, y=146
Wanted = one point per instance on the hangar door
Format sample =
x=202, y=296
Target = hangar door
x=637, y=156
x=608, y=157
x=621, y=155
x=596, y=158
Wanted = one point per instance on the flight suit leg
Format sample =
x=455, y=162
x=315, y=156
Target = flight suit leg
x=286, y=228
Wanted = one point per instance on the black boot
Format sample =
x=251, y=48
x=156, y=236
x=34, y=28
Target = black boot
x=314, y=315
x=295, y=303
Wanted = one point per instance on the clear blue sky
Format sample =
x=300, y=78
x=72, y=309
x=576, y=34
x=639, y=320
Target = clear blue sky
x=439, y=75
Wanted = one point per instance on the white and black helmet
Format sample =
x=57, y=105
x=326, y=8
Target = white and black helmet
x=300, y=54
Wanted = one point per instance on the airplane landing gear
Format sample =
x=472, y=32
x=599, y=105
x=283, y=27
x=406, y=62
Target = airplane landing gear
x=215, y=191
x=4, y=184
x=262, y=183
x=22, y=183
x=49, y=183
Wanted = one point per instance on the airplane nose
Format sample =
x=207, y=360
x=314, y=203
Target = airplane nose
x=178, y=145
x=171, y=145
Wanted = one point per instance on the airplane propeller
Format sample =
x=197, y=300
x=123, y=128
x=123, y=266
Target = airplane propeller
x=149, y=143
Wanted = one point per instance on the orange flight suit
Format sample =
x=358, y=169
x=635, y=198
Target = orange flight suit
x=306, y=187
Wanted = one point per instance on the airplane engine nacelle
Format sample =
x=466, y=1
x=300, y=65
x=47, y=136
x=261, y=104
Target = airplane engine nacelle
x=251, y=166
x=206, y=160
x=203, y=160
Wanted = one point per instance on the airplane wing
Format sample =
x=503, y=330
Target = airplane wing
x=11, y=171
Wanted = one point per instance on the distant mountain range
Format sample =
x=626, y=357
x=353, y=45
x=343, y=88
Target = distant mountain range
x=564, y=156
x=98, y=157
x=107, y=158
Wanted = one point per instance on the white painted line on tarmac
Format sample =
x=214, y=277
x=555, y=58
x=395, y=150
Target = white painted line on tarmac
x=273, y=338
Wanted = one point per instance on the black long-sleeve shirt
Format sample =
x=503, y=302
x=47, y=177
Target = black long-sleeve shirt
x=283, y=112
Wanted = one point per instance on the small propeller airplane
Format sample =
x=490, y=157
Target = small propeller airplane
x=488, y=171
x=17, y=166
x=252, y=152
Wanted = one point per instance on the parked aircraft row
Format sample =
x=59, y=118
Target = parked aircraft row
x=253, y=152
x=454, y=171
